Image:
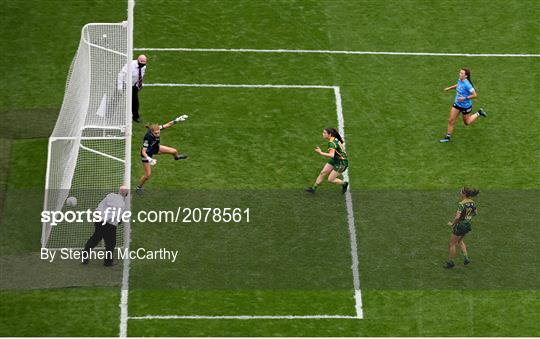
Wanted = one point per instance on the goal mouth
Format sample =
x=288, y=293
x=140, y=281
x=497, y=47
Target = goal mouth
x=90, y=146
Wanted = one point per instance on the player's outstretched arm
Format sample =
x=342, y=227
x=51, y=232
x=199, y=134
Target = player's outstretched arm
x=451, y=87
x=175, y=121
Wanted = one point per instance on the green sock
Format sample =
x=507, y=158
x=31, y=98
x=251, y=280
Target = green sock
x=314, y=186
x=465, y=256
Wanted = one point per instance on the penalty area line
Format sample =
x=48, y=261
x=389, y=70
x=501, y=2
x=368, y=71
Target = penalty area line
x=315, y=51
x=237, y=86
x=240, y=317
x=350, y=216
x=348, y=201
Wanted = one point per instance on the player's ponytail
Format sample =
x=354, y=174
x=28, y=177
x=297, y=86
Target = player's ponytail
x=152, y=126
x=468, y=74
x=469, y=192
x=333, y=132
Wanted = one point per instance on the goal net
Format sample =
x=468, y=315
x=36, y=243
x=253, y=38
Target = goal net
x=89, y=149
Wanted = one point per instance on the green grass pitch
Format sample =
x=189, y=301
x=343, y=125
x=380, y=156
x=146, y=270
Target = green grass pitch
x=252, y=147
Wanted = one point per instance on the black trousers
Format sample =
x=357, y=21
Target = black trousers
x=135, y=102
x=106, y=232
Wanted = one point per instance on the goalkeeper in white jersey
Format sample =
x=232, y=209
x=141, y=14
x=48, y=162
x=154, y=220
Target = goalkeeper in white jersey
x=152, y=147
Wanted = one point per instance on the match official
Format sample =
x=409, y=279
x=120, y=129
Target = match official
x=138, y=68
x=106, y=229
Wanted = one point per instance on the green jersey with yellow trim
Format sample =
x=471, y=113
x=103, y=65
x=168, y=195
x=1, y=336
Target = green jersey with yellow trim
x=339, y=154
x=467, y=208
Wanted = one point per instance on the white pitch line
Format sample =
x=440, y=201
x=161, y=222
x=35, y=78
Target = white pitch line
x=241, y=317
x=350, y=216
x=125, y=280
x=238, y=86
x=123, y=313
x=315, y=51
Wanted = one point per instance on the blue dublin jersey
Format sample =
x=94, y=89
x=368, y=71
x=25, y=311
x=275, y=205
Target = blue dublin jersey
x=463, y=89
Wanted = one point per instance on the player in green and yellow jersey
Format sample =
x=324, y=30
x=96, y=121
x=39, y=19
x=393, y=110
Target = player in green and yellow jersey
x=338, y=163
x=461, y=225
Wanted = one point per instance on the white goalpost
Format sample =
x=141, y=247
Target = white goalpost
x=90, y=147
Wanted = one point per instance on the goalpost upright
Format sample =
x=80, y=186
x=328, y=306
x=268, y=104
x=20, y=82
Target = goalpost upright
x=129, y=122
x=124, y=293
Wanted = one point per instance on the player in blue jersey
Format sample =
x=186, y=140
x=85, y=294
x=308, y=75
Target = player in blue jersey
x=151, y=146
x=462, y=103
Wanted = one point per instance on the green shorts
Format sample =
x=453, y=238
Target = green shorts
x=462, y=228
x=339, y=165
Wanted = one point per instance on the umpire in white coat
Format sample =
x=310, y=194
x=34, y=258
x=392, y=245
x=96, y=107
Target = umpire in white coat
x=138, y=68
x=106, y=229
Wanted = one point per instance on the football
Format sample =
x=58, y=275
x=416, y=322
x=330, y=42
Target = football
x=71, y=201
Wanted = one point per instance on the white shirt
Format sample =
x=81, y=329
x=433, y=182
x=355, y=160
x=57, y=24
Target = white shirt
x=116, y=204
x=134, y=74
